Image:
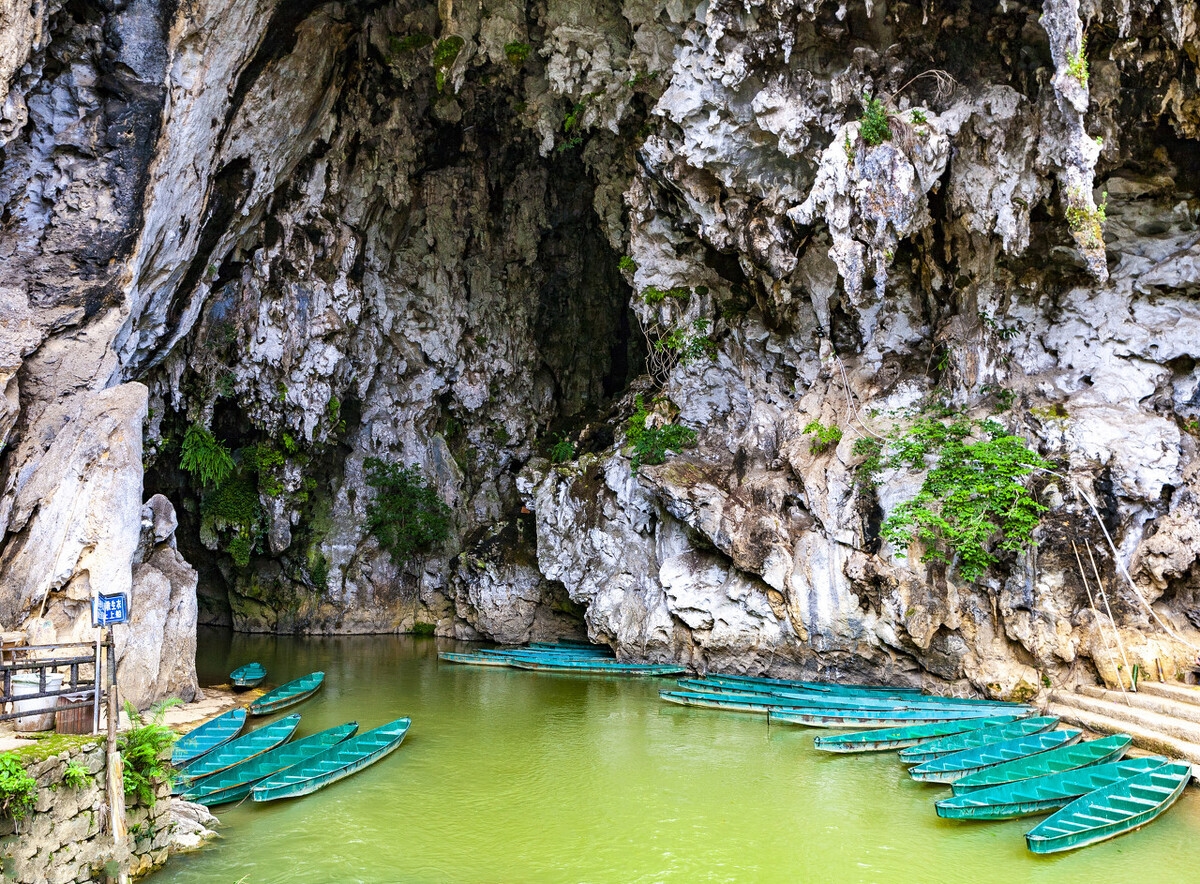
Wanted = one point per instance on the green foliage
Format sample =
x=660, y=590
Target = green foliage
x=234, y=502
x=1192, y=426
x=241, y=547
x=918, y=117
x=1085, y=220
x=75, y=775
x=571, y=123
x=563, y=450
x=516, y=52
x=824, y=437
x=426, y=629
x=406, y=516
x=318, y=572
x=409, y=42
x=145, y=751
x=18, y=790
x=627, y=263
x=873, y=126
x=446, y=51
x=651, y=444
x=655, y=295
x=1077, y=64
x=289, y=443
x=689, y=344
x=205, y=457
x=972, y=500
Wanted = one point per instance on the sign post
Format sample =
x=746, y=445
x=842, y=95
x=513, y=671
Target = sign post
x=106, y=611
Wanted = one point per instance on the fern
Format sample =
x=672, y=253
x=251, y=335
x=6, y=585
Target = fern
x=205, y=457
x=144, y=749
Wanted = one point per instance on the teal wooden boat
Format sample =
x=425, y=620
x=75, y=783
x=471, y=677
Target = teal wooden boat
x=1043, y=764
x=599, y=667
x=949, y=768
x=288, y=695
x=1111, y=811
x=236, y=751
x=235, y=783
x=208, y=736
x=830, y=706
x=749, y=682
x=249, y=676
x=977, y=738
x=333, y=764
x=901, y=737
x=872, y=700
x=1042, y=794
x=861, y=719
x=474, y=659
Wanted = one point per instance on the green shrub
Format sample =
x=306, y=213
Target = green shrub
x=563, y=450
x=516, y=52
x=689, y=344
x=406, y=515
x=874, y=126
x=919, y=117
x=318, y=572
x=446, y=51
x=241, y=547
x=75, y=775
x=627, y=263
x=18, y=790
x=205, y=457
x=144, y=749
x=972, y=500
x=824, y=437
x=233, y=502
x=426, y=629
x=1077, y=64
x=655, y=295
x=651, y=444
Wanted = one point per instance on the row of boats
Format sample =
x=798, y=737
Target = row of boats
x=216, y=763
x=1001, y=760
x=577, y=658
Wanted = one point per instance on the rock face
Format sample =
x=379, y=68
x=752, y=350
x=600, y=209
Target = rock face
x=453, y=238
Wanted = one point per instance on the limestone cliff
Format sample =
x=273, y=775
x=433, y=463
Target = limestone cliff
x=451, y=235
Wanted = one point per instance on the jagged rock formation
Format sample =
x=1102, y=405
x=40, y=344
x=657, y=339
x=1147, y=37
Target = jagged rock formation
x=329, y=232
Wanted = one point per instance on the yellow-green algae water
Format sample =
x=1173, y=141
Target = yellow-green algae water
x=512, y=776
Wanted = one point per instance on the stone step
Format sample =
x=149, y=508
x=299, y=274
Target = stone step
x=1145, y=700
x=1148, y=740
x=1154, y=722
x=1179, y=692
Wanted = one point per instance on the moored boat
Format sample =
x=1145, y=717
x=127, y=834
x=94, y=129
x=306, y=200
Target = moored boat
x=949, y=768
x=208, y=736
x=288, y=695
x=1042, y=794
x=235, y=783
x=750, y=682
x=249, y=676
x=830, y=705
x=599, y=667
x=862, y=719
x=1064, y=758
x=872, y=699
x=977, y=738
x=236, y=751
x=902, y=737
x=1111, y=811
x=473, y=659
x=333, y=764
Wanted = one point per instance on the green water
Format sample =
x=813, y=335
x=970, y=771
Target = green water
x=511, y=776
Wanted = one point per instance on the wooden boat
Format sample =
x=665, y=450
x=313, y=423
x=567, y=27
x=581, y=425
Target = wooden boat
x=749, y=682
x=861, y=719
x=242, y=749
x=873, y=699
x=1059, y=760
x=334, y=763
x=977, y=738
x=249, y=676
x=571, y=644
x=235, y=783
x=473, y=659
x=949, y=768
x=1111, y=811
x=599, y=667
x=208, y=736
x=288, y=695
x=1042, y=794
x=831, y=705
x=901, y=737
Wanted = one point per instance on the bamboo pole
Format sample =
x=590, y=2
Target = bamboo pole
x=115, y=772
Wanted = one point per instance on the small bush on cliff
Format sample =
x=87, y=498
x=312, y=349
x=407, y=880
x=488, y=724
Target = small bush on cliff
x=205, y=456
x=972, y=500
x=516, y=52
x=824, y=437
x=75, y=775
x=407, y=516
x=144, y=751
x=18, y=790
x=563, y=450
x=651, y=444
x=1077, y=64
x=874, y=126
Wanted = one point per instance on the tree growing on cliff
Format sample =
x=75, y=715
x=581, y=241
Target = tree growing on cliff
x=406, y=515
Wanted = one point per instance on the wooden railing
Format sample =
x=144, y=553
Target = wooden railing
x=64, y=659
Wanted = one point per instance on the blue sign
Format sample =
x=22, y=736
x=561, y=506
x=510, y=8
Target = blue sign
x=110, y=609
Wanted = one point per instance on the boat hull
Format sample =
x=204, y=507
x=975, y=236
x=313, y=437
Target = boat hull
x=1059, y=760
x=208, y=736
x=289, y=694
x=902, y=737
x=977, y=739
x=950, y=768
x=334, y=764
x=1075, y=825
x=237, y=751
